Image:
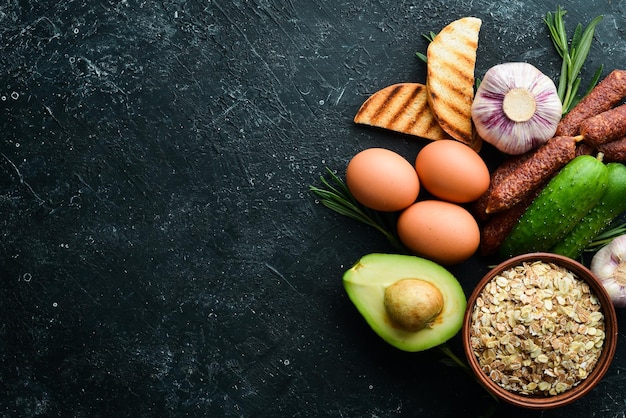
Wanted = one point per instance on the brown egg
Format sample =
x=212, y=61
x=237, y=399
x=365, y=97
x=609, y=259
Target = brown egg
x=382, y=180
x=440, y=231
x=452, y=171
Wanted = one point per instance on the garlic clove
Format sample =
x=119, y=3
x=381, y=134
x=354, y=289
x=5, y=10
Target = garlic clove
x=516, y=107
x=609, y=266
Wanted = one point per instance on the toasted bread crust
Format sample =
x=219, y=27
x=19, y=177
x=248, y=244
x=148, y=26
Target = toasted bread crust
x=450, y=77
x=403, y=108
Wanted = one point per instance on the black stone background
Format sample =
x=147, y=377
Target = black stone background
x=160, y=254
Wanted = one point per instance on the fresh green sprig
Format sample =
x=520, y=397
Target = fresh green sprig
x=336, y=196
x=429, y=37
x=421, y=56
x=606, y=237
x=573, y=52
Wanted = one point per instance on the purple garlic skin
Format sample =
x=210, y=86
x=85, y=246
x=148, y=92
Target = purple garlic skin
x=609, y=266
x=516, y=108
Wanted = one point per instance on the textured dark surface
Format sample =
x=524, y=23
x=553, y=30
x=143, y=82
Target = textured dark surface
x=160, y=253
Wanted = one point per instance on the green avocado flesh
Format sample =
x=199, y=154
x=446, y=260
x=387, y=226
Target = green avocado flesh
x=365, y=284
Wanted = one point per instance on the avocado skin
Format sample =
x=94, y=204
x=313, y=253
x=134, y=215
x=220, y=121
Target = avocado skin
x=365, y=283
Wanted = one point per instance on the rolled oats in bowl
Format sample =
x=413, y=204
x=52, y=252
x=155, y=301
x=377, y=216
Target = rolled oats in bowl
x=537, y=329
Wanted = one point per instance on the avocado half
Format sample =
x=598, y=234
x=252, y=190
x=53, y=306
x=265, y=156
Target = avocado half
x=365, y=284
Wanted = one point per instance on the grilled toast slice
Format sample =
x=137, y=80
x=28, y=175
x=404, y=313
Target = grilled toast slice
x=403, y=108
x=451, y=60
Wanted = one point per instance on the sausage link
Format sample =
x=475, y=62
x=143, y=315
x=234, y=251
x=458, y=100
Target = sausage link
x=498, y=227
x=605, y=95
x=584, y=149
x=542, y=164
x=479, y=207
x=614, y=151
x=605, y=127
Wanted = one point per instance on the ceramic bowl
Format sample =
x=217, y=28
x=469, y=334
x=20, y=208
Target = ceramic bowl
x=584, y=386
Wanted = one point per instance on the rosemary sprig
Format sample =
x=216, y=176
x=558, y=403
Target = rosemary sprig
x=429, y=37
x=336, y=196
x=421, y=56
x=606, y=237
x=574, y=52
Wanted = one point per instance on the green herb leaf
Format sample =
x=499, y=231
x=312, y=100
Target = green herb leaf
x=429, y=37
x=421, y=56
x=573, y=53
x=606, y=237
x=336, y=196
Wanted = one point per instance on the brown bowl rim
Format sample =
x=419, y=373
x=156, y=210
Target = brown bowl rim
x=606, y=356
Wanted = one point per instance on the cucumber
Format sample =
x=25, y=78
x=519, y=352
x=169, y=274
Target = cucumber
x=610, y=206
x=562, y=203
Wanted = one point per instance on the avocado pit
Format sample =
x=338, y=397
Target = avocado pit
x=413, y=304
x=440, y=299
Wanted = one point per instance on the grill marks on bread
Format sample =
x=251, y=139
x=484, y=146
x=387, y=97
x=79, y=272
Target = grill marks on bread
x=404, y=108
x=450, y=77
x=440, y=109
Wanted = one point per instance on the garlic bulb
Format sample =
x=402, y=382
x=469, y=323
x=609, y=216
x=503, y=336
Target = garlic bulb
x=609, y=266
x=516, y=107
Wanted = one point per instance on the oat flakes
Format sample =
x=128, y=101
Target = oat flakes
x=537, y=329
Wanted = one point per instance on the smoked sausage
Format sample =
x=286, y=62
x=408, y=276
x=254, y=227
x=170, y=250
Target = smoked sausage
x=498, y=227
x=605, y=127
x=614, y=151
x=605, y=95
x=542, y=163
x=479, y=207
